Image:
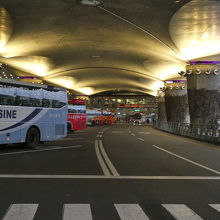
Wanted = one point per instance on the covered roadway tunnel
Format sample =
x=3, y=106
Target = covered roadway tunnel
x=159, y=57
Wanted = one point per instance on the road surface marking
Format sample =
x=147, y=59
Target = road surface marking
x=130, y=212
x=77, y=212
x=140, y=139
x=107, y=160
x=69, y=139
x=215, y=206
x=132, y=134
x=101, y=132
x=190, y=161
x=83, y=212
x=117, y=132
x=53, y=176
x=21, y=212
x=101, y=161
x=143, y=132
x=181, y=212
x=41, y=150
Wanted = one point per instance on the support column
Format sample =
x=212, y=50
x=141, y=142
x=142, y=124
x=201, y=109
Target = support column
x=176, y=100
x=203, y=81
x=162, y=117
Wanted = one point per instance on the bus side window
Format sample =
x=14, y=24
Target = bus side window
x=7, y=96
x=36, y=97
x=22, y=98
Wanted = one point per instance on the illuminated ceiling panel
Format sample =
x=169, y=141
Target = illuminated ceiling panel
x=195, y=29
x=5, y=28
x=119, y=44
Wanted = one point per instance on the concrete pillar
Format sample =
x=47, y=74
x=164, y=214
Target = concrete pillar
x=203, y=82
x=162, y=117
x=176, y=101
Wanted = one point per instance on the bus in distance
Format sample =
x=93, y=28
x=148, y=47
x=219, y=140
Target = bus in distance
x=31, y=113
x=99, y=117
x=76, y=115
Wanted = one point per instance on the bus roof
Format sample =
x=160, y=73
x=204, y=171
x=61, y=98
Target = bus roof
x=32, y=85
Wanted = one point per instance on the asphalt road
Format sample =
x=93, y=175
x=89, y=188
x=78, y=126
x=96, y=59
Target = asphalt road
x=110, y=173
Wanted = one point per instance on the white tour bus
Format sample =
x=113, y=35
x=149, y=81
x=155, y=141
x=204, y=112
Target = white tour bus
x=31, y=113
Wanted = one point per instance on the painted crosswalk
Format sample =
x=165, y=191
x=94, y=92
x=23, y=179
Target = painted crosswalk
x=84, y=212
x=181, y=212
x=77, y=212
x=130, y=212
x=21, y=211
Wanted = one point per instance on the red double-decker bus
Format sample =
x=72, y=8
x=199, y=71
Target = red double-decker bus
x=76, y=114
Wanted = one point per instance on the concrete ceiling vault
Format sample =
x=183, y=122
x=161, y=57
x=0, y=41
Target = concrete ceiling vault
x=117, y=45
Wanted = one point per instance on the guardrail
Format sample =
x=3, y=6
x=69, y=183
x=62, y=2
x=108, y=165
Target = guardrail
x=208, y=132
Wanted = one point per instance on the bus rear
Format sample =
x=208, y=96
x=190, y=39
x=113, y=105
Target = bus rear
x=76, y=115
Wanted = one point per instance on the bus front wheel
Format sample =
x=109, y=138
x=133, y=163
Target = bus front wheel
x=32, y=138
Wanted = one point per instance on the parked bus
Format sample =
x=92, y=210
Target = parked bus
x=138, y=118
x=76, y=115
x=93, y=117
x=109, y=117
x=99, y=117
x=31, y=113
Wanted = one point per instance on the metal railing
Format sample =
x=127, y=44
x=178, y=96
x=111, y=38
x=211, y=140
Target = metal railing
x=208, y=132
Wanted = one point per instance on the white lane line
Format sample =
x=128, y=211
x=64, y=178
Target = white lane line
x=35, y=151
x=143, y=132
x=140, y=139
x=101, y=161
x=132, y=134
x=70, y=139
x=181, y=212
x=190, y=161
x=130, y=212
x=215, y=206
x=21, y=212
x=52, y=176
x=107, y=160
x=76, y=133
x=117, y=132
x=77, y=212
x=101, y=132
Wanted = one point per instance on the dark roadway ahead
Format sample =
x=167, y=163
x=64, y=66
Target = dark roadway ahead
x=110, y=173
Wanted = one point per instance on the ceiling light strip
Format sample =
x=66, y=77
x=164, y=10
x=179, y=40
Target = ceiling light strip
x=145, y=31
x=102, y=67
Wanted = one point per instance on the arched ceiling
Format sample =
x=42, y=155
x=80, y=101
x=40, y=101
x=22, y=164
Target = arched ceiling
x=119, y=44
